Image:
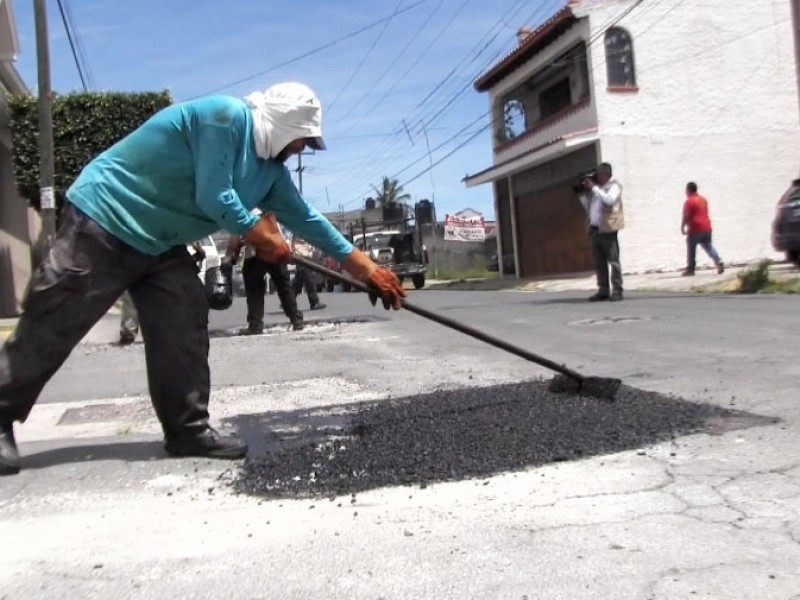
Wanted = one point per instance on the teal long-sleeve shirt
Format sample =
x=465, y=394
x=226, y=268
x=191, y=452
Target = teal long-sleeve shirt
x=188, y=171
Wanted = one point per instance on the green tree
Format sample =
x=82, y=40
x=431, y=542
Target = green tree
x=390, y=192
x=84, y=125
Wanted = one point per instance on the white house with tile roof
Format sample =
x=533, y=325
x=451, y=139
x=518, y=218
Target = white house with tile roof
x=667, y=91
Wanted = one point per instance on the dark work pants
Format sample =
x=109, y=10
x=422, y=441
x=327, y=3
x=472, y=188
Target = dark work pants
x=254, y=272
x=605, y=254
x=83, y=276
x=303, y=278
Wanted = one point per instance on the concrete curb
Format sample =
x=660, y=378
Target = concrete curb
x=704, y=281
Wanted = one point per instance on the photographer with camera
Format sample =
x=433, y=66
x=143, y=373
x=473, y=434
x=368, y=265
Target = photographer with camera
x=601, y=197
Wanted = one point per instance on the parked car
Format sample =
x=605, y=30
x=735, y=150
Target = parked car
x=786, y=225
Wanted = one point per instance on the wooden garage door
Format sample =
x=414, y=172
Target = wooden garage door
x=551, y=231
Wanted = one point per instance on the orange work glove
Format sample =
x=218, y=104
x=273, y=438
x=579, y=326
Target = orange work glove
x=380, y=279
x=266, y=237
x=387, y=286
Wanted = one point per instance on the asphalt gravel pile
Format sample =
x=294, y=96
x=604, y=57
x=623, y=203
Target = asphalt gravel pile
x=472, y=433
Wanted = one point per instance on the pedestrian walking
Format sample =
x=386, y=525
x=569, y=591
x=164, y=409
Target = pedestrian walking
x=696, y=226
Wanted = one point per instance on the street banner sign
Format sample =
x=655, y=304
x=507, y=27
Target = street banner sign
x=463, y=228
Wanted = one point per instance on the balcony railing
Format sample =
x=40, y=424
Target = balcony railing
x=575, y=117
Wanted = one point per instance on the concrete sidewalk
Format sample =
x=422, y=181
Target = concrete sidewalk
x=703, y=281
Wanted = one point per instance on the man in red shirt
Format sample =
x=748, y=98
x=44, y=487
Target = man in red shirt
x=696, y=226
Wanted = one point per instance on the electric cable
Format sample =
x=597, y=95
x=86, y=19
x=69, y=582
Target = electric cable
x=492, y=122
x=478, y=49
x=541, y=10
x=363, y=60
x=313, y=51
x=79, y=45
x=72, y=47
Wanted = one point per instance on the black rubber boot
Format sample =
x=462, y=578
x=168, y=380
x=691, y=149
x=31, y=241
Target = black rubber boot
x=206, y=442
x=9, y=456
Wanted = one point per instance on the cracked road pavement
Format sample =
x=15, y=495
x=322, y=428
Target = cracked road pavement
x=100, y=512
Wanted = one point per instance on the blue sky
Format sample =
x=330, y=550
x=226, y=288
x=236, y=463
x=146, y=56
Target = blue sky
x=395, y=78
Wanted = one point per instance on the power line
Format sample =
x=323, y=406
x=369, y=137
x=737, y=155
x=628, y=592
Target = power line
x=478, y=49
x=417, y=32
x=492, y=122
x=79, y=44
x=72, y=45
x=513, y=11
x=482, y=45
x=364, y=59
x=316, y=50
x=386, y=143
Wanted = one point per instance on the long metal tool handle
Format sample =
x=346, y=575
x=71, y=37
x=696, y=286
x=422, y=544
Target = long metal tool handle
x=447, y=322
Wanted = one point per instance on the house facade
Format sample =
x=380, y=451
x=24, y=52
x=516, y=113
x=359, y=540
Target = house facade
x=19, y=224
x=667, y=92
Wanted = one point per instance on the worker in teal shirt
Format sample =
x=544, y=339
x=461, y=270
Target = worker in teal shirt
x=192, y=169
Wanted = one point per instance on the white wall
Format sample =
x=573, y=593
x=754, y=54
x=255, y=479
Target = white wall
x=717, y=104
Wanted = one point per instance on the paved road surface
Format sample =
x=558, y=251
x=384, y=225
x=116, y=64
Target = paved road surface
x=100, y=512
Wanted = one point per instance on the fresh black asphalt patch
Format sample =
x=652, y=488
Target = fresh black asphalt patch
x=452, y=435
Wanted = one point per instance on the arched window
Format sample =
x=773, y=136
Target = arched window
x=619, y=59
x=514, y=118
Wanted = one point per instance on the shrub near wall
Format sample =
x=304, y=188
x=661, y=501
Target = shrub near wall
x=84, y=125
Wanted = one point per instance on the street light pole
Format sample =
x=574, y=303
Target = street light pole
x=46, y=168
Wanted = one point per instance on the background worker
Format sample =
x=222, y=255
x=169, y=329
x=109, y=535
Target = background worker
x=254, y=272
x=303, y=278
x=191, y=169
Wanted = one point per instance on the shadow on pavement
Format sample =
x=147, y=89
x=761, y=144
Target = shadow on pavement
x=125, y=451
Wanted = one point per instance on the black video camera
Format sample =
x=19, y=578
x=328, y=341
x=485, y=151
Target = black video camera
x=579, y=188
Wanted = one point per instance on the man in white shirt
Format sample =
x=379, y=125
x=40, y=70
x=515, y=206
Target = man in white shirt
x=603, y=203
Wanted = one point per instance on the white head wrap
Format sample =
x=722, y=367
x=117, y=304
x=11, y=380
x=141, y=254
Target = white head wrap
x=283, y=113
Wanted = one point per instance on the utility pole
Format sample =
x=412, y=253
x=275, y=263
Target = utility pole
x=433, y=203
x=46, y=192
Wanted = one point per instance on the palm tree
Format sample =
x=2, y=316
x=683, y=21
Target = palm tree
x=391, y=192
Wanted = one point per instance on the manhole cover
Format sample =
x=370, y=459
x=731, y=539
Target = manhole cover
x=609, y=321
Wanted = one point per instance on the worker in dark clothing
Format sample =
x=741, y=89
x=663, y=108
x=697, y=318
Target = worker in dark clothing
x=192, y=169
x=303, y=278
x=254, y=272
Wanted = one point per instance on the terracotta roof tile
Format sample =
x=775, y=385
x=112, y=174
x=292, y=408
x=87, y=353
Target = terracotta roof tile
x=548, y=31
